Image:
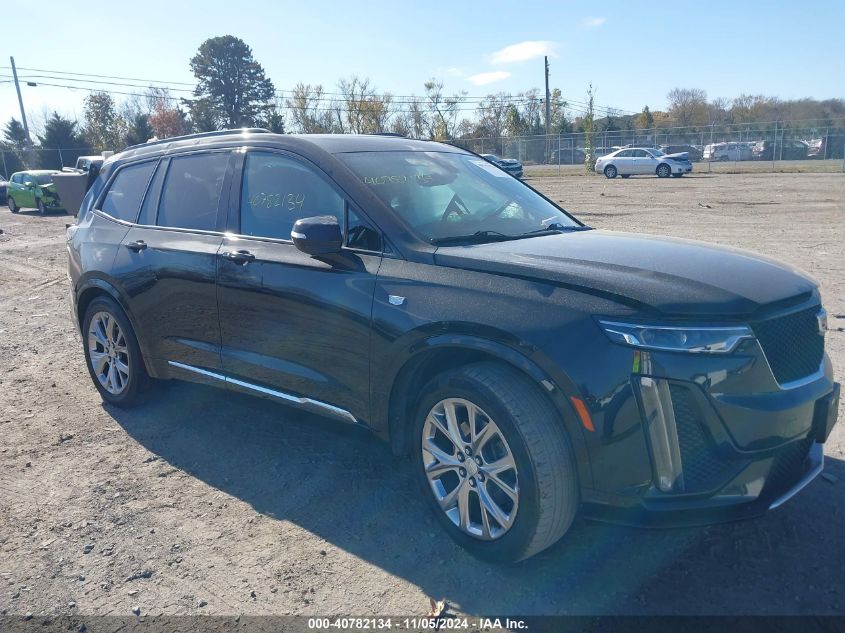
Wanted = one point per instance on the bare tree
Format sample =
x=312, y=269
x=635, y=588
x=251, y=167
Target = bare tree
x=443, y=109
x=492, y=115
x=307, y=111
x=688, y=106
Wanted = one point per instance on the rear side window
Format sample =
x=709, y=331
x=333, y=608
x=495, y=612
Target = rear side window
x=277, y=191
x=123, y=199
x=191, y=191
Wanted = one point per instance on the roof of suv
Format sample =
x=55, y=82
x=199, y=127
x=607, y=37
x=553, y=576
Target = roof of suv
x=330, y=143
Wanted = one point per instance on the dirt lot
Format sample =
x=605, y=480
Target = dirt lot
x=211, y=502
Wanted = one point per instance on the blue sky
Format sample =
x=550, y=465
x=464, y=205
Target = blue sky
x=632, y=52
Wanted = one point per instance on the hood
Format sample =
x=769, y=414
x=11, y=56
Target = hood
x=672, y=276
x=509, y=162
x=49, y=188
x=679, y=155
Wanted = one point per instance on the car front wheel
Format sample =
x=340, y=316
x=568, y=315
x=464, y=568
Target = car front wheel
x=42, y=210
x=664, y=171
x=610, y=171
x=112, y=353
x=495, y=462
x=13, y=207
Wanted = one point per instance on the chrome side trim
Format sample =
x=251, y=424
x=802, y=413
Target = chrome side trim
x=814, y=472
x=305, y=403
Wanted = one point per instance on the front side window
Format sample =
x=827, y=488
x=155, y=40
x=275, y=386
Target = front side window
x=446, y=196
x=42, y=179
x=123, y=199
x=191, y=192
x=278, y=190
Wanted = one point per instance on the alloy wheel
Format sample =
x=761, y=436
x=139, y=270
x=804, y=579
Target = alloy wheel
x=108, y=352
x=470, y=468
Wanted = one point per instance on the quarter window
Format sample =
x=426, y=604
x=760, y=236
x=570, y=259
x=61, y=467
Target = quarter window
x=123, y=199
x=278, y=190
x=191, y=192
x=360, y=234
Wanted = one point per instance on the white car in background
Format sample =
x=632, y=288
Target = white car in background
x=727, y=151
x=643, y=160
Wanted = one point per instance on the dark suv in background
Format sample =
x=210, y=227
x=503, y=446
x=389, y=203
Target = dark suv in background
x=528, y=365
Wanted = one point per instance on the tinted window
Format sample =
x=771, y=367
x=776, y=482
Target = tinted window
x=148, y=209
x=360, y=234
x=277, y=191
x=127, y=190
x=192, y=191
x=625, y=153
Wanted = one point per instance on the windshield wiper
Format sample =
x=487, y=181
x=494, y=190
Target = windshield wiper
x=556, y=227
x=475, y=238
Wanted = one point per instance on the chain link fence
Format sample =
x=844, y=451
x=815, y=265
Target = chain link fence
x=762, y=143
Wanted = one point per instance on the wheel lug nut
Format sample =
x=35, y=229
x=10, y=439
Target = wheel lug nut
x=462, y=471
x=468, y=450
x=480, y=476
x=472, y=482
x=478, y=460
x=461, y=457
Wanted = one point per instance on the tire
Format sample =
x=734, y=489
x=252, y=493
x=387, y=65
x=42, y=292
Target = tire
x=13, y=207
x=664, y=171
x=42, y=210
x=610, y=171
x=677, y=175
x=625, y=175
x=115, y=388
x=527, y=430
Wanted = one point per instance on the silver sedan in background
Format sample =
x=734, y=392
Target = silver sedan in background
x=646, y=160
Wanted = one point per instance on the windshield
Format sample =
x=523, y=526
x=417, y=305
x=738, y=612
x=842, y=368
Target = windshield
x=41, y=179
x=444, y=195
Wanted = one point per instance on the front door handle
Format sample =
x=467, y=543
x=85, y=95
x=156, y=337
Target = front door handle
x=239, y=257
x=137, y=245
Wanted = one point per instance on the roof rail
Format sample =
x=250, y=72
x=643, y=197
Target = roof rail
x=385, y=134
x=244, y=130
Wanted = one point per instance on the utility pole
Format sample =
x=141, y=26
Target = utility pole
x=548, y=108
x=20, y=103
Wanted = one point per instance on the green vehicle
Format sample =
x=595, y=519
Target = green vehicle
x=33, y=189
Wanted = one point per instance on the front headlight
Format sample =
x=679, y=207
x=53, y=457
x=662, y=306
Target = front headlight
x=677, y=338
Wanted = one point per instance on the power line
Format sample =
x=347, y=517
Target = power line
x=324, y=95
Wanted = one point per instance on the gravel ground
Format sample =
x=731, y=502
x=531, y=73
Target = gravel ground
x=218, y=503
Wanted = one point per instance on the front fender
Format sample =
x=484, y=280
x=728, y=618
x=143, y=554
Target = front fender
x=416, y=346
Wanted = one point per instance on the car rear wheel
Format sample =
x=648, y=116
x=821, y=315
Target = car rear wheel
x=495, y=462
x=42, y=210
x=112, y=353
x=664, y=171
x=13, y=207
x=610, y=171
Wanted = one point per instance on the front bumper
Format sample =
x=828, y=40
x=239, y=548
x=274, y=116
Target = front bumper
x=681, y=168
x=685, y=439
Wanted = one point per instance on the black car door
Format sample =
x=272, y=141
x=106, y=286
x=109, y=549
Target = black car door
x=291, y=324
x=167, y=260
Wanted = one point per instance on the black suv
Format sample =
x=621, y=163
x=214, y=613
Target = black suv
x=528, y=365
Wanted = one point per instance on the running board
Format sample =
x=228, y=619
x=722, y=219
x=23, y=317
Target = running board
x=304, y=403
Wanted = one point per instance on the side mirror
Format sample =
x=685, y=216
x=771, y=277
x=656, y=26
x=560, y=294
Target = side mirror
x=319, y=235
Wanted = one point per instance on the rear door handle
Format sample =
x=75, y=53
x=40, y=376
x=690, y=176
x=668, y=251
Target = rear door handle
x=239, y=257
x=137, y=245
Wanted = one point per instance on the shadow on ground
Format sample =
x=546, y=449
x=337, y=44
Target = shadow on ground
x=343, y=485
